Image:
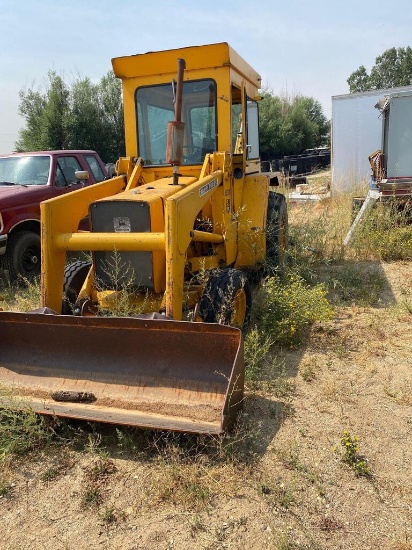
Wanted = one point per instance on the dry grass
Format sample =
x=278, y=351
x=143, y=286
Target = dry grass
x=281, y=479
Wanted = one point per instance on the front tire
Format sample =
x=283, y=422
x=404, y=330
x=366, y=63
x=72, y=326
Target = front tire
x=74, y=276
x=23, y=257
x=227, y=298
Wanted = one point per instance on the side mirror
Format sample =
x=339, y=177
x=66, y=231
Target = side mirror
x=82, y=175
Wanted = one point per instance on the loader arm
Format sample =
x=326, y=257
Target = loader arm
x=180, y=212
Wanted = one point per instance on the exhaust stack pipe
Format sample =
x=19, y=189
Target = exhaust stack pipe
x=176, y=128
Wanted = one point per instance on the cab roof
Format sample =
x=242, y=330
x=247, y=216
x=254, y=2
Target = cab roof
x=197, y=57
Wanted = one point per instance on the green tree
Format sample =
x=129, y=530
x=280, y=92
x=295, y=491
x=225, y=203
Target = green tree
x=85, y=124
x=393, y=68
x=55, y=114
x=290, y=125
x=270, y=111
x=46, y=116
x=111, y=104
x=359, y=80
x=31, y=107
x=83, y=115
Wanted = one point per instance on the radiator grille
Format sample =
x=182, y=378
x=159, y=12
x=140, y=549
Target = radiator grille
x=116, y=269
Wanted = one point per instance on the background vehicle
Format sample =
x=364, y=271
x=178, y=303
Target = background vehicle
x=178, y=229
x=27, y=179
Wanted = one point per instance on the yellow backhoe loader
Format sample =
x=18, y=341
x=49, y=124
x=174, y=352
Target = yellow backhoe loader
x=178, y=229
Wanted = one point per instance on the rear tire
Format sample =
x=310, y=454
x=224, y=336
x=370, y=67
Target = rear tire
x=227, y=298
x=276, y=230
x=74, y=276
x=23, y=256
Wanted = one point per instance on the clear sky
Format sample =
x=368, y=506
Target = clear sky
x=307, y=47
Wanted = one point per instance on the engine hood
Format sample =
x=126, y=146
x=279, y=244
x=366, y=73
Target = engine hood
x=18, y=195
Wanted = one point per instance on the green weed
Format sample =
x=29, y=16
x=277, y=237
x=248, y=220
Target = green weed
x=91, y=497
x=385, y=233
x=257, y=346
x=289, y=307
x=50, y=474
x=5, y=487
x=351, y=455
x=22, y=430
x=128, y=440
x=316, y=233
x=100, y=469
x=18, y=297
x=183, y=484
x=308, y=373
x=279, y=495
x=282, y=386
x=123, y=298
x=111, y=514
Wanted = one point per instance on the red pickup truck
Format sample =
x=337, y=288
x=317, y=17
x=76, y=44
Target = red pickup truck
x=27, y=179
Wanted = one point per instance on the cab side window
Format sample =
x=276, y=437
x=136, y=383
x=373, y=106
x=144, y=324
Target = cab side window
x=237, y=123
x=98, y=174
x=65, y=172
x=252, y=129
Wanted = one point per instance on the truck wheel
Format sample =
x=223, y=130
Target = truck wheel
x=23, y=257
x=227, y=298
x=276, y=230
x=74, y=276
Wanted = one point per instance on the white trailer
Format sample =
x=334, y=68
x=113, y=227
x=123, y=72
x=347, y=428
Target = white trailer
x=356, y=133
x=391, y=162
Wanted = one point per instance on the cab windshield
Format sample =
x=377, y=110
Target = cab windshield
x=155, y=108
x=25, y=170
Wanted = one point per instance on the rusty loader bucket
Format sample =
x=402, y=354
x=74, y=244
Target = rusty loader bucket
x=169, y=375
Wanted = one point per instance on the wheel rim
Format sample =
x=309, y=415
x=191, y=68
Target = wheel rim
x=31, y=260
x=239, y=309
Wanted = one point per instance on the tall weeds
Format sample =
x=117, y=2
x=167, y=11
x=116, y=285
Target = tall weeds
x=319, y=270
x=21, y=430
x=386, y=233
x=18, y=297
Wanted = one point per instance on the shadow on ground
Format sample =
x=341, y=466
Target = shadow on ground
x=267, y=404
x=350, y=283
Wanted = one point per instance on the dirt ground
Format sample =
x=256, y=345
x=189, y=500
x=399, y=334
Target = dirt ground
x=283, y=485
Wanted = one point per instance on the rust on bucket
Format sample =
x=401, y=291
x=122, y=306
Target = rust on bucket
x=170, y=375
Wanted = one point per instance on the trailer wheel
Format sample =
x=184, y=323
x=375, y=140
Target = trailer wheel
x=74, y=276
x=226, y=299
x=23, y=256
x=276, y=230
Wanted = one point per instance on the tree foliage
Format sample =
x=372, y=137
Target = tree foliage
x=393, y=68
x=86, y=115
x=81, y=116
x=291, y=125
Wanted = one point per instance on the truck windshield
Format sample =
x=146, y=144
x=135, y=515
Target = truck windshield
x=155, y=107
x=25, y=170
